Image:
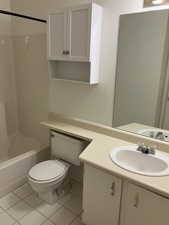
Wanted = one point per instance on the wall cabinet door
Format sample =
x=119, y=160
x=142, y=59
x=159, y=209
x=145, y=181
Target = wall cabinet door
x=101, y=197
x=79, y=32
x=142, y=207
x=57, y=36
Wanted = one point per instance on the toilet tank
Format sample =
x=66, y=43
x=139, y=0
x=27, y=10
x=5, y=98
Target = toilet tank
x=66, y=147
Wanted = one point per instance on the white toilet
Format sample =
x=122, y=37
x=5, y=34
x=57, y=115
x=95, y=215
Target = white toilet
x=50, y=178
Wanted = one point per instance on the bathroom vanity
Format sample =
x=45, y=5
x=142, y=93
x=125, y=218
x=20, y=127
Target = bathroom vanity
x=112, y=195
x=108, y=199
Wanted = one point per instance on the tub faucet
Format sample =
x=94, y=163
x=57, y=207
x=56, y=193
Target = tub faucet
x=160, y=135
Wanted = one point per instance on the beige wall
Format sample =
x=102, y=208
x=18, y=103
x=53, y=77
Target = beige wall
x=5, y=24
x=90, y=103
x=5, y=4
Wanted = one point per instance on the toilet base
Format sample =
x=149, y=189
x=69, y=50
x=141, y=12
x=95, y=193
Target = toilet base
x=52, y=196
x=49, y=197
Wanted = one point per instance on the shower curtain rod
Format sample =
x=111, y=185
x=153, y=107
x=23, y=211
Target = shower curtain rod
x=22, y=16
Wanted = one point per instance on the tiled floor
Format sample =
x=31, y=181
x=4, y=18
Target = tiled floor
x=23, y=207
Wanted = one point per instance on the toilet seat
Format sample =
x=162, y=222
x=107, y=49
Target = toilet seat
x=48, y=171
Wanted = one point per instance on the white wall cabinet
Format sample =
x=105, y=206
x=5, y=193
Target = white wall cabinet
x=107, y=200
x=79, y=30
x=74, y=37
x=57, y=35
x=101, y=197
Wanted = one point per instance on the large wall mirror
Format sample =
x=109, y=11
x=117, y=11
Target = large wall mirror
x=142, y=78
x=148, y=3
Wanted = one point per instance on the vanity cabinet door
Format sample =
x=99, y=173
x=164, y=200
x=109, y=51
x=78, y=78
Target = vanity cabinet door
x=142, y=207
x=101, y=197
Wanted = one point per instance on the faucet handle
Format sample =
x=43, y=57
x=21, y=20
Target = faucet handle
x=153, y=149
x=140, y=144
x=140, y=147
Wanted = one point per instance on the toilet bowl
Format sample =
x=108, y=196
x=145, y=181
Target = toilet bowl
x=48, y=178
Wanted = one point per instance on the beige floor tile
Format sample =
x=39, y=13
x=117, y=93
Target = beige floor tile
x=62, y=217
x=33, y=218
x=24, y=191
x=19, y=210
x=8, y=201
x=1, y=210
x=77, y=222
x=47, y=222
x=64, y=199
x=76, y=189
x=74, y=204
x=33, y=201
x=47, y=210
x=5, y=219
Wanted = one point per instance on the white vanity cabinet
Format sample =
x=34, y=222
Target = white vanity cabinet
x=74, y=37
x=101, y=197
x=111, y=201
x=142, y=207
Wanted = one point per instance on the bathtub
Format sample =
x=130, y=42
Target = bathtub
x=23, y=153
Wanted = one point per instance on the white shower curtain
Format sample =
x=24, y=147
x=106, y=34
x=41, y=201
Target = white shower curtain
x=4, y=142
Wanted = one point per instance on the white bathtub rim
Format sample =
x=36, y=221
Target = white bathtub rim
x=14, y=160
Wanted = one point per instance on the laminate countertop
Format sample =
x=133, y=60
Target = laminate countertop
x=97, y=154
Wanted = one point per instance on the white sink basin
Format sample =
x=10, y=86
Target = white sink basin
x=127, y=157
x=153, y=133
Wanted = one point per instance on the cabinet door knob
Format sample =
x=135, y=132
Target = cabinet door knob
x=67, y=52
x=113, y=188
x=136, y=200
x=64, y=52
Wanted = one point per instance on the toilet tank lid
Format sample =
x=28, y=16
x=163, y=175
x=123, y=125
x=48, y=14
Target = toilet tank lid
x=48, y=170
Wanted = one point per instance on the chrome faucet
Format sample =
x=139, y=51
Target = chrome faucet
x=160, y=135
x=146, y=149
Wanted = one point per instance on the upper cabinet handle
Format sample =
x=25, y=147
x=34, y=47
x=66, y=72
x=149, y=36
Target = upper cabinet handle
x=113, y=188
x=67, y=52
x=136, y=201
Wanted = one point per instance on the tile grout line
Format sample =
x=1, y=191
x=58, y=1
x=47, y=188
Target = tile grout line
x=11, y=217
x=73, y=220
x=67, y=210
x=33, y=209
x=49, y=221
x=19, y=201
x=6, y=210
x=70, y=210
x=47, y=218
